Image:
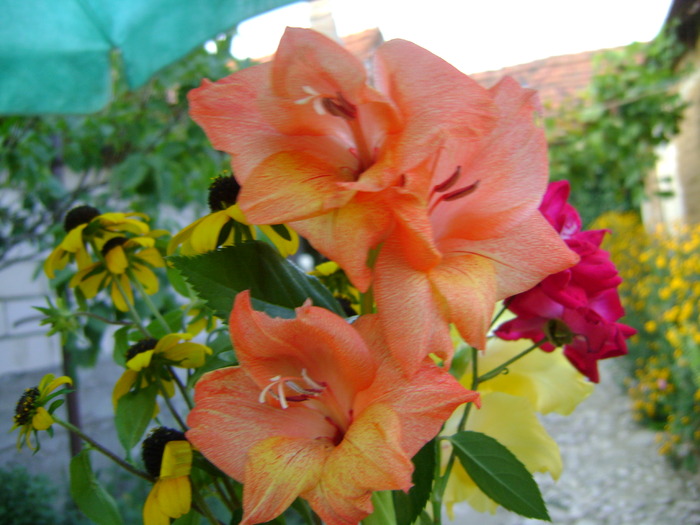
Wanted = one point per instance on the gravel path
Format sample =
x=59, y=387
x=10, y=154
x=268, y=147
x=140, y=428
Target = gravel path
x=612, y=472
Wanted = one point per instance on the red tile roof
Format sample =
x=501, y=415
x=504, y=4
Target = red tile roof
x=557, y=79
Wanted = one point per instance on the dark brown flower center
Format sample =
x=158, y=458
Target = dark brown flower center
x=113, y=243
x=142, y=346
x=223, y=192
x=26, y=406
x=79, y=215
x=154, y=445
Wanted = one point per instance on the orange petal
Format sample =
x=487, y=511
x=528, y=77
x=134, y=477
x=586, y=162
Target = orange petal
x=433, y=97
x=468, y=284
x=368, y=459
x=347, y=235
x=228, y=419
x=522, y=257
x=412, y=313
x=277, y=471
x=266, y=198
x=423, y=401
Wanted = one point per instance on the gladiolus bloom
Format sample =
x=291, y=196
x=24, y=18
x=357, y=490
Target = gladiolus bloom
x=582, y=302
x=314, y=145
x=469, y=232
x=317, y=409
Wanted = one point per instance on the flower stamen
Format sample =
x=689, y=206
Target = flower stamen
x=278, y=383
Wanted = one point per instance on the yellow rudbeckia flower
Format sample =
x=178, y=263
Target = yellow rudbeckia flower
x=121, y=257
x=167, y=456
x=539, y=382
x=147, y=358
x=84, y=223
x=31, y=414
x=226, y=225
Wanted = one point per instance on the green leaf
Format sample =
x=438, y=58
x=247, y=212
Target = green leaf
x=276, y=285
x=191, y=518
x=93, y=500
x=409, y=506
x=499, y=474
x=174, y=320
x=134, y=413
x=383, y=513
x=121, y=345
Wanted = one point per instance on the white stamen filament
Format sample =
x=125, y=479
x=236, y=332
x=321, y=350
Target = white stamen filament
x=314, y=97
x=279, y=383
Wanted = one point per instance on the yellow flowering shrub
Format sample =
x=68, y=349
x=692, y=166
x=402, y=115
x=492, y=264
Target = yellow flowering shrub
x=661, y=294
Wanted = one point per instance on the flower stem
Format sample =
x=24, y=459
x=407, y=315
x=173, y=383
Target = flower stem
x=132, y=310
x=498, y=316
x=500, y=368
x=441, y=483
x=164, y=393
x=148, y=301
x=111, y=455
x=181, y=387
x=201, y=506
x=223, y=497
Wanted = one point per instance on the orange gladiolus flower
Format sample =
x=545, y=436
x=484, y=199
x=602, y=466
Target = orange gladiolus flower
x=314, y=146
x=469, y=233
x=317, y=409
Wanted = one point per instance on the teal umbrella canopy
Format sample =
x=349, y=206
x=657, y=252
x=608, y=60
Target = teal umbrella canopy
x=56, y=56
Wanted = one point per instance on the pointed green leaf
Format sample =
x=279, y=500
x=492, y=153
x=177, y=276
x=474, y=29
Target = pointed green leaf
x=409, y=506
x=93, y=500
x=499, y=474
x=276, y=285
x=134, y=413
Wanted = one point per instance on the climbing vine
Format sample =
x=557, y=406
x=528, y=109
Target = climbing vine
x=606, y=143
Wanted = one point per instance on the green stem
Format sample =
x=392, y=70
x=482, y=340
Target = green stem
x=132, y=310
x=223, y=497
x=181, y=387
x=111, y=455
x=148, y=301
x=500, y=368
x=103, y=319
x=164, y=393
x=231, y=491
x=498, y=315
x=201, y=506
x=441, y=483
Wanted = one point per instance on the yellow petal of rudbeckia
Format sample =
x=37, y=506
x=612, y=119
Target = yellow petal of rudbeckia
x=89, y=280
x=152, y=513
x=49, y=383
x=42, y=419
x=168, y=341
x=188, y=355
x=182, y=237
x=206, y=234
x=118, y=296
x=177, y=460
x=174, y=496
x=512, y=421
x=140, y=360
x=123, y=385
x=151, y=256
x=146, y=277
x=284, y=246
x=547, y=379
x=116, y=260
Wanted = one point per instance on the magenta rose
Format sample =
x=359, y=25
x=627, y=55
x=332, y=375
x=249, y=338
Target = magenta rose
x=578, y=307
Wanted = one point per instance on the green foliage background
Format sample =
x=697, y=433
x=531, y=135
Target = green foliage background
x=606, y=143
x=142, y=152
